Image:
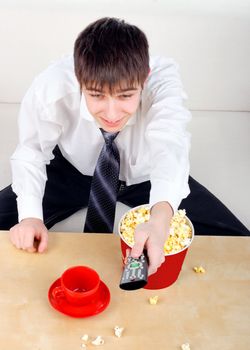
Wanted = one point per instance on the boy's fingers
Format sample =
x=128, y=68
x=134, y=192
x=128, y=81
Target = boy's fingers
x=140, y=240
x=137, y=249
x=156, y=258
x=43, y=242
x=127, y=253
x=29, y=235
x=31, y=250
x=28, y=242
x=126, y=256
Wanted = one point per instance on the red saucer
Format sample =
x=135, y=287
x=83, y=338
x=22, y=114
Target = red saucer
x=90, y=309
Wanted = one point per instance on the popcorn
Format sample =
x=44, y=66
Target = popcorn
x=85, y=337
x=185, y=346
x=180, y=234
x=98, y=341
x=153, y=300
x=83, y=345
x=199, y=269
x=118, y=331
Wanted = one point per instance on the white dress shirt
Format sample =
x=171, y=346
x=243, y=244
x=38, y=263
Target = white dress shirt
x=154, y=144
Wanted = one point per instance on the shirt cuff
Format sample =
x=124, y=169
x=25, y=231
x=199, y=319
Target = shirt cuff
x=163, y=191
x=29, y=207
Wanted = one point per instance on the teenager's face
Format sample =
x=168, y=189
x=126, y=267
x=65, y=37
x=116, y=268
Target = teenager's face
x=112, y=111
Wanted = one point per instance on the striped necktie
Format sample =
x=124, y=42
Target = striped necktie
x=104, y=188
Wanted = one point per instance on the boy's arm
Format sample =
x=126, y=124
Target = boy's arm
x=37, y=139
x=167, y=138
x=168, y=144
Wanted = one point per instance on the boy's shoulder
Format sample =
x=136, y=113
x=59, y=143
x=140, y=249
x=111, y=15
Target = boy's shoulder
x=163, y=70
x=162, y=65
x=58, y=79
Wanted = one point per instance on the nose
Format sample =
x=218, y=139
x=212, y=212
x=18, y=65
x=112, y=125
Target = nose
x=112, y=110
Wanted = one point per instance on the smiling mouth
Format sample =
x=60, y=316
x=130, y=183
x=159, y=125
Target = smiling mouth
x=111, y=123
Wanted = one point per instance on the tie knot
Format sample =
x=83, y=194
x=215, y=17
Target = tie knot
x=109, y=136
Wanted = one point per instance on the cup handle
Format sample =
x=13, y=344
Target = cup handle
x=58, y=293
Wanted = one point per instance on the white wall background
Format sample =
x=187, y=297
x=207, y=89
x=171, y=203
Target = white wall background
x=210, y=41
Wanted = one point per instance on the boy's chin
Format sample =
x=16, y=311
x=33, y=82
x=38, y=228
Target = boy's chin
x=108, y=129
x=114, y=128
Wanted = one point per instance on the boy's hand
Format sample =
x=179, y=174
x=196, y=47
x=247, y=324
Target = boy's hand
x=152, y=235
x=30, y=234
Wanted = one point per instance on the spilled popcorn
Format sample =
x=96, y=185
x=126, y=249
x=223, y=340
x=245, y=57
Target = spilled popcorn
x=85, y=337
x=118, y=331
x=180, y=234
x=185, y=346
x=98, y=341
x=199, y=269
x=153, y=300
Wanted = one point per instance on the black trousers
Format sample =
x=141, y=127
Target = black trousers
x=67, y=191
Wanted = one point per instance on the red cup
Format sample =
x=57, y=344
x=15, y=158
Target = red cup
x=79, y=285
x=170, y=269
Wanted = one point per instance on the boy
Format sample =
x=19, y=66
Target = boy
x=109, y=88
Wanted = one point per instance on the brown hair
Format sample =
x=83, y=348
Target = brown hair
x=110, y=52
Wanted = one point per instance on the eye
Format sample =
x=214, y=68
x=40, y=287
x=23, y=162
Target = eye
x=96, y=95
x=126, y=96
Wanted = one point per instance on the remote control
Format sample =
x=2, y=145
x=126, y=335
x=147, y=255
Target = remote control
x=135, y=273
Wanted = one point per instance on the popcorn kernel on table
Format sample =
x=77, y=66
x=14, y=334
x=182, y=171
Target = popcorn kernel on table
x=199, y=269
x=118, y=331
x=180, y=234
x=85, y=337
x=153, y=300
x=98, y=341
x=185, y=346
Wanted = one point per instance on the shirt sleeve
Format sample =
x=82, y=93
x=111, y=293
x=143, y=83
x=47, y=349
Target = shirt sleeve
x=38, y=135
x=166, y=135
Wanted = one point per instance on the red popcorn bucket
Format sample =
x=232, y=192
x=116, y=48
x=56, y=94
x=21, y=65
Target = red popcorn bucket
x=169, y=271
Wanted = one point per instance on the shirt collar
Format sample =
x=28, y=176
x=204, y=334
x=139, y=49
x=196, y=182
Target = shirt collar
x=85, y=114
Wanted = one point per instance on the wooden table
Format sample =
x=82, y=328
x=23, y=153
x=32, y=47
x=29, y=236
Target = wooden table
x=209, y=311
